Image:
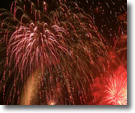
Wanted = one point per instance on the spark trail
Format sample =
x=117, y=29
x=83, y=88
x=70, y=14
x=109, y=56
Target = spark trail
x=60, y=49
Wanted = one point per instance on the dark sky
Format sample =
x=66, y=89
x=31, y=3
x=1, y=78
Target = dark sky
x=5, y=4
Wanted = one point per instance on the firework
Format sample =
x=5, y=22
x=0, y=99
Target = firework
x=112, y=88
x=61, y=47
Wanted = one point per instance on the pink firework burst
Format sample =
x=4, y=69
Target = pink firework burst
x=37, y=46
x=55, y=54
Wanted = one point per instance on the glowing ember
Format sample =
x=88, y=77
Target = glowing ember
x=51, y=103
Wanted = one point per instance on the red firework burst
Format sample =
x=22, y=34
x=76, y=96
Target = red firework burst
x=112, y=89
